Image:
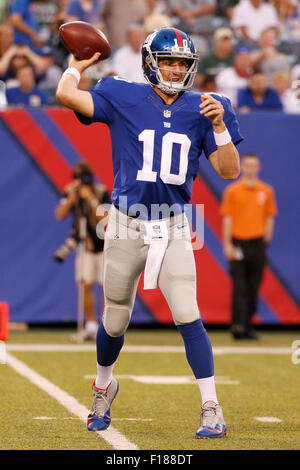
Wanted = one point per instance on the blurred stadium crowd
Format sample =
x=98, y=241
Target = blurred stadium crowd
x=249, y=49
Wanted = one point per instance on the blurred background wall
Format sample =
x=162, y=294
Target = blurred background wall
x=38, y=149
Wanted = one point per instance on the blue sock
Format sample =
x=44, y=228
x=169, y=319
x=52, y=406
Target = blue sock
x=198, y=349
x=108, y=347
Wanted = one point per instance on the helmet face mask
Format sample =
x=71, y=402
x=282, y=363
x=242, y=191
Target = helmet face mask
x=164, y=44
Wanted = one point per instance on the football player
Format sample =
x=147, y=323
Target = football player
x=158, y=132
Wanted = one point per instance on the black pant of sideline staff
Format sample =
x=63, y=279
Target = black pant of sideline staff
x=246, y=274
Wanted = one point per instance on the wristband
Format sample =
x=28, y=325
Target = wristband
x=74, y=72
x=223, y=138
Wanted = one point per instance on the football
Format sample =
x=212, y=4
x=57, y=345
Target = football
x=83, y=39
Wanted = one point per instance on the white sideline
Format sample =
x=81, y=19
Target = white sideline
x=111, y=435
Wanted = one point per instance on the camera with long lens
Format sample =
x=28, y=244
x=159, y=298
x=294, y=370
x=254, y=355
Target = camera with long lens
x=85, y=177
x=66, y=249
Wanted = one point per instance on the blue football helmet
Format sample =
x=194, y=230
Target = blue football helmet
x=169, y=43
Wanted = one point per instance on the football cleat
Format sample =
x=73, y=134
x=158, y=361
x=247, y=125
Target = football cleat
x=213, y=424
x=167, y=43
x=99, y=418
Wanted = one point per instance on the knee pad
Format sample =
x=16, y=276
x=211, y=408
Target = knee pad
x=116, y=320
x=185, y=317
x=118, y=292
x=118, y=285
x=184, y=306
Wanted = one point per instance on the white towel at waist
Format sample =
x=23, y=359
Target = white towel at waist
x=157, y=238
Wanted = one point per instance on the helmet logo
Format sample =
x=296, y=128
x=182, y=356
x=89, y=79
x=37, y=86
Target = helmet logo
x=183, y=41
x=178, y=40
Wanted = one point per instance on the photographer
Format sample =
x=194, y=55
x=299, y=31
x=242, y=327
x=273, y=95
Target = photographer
x=82, y=197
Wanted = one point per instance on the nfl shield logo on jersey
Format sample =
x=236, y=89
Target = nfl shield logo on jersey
x=167, y=113
x=156, y=232
x=156, y=229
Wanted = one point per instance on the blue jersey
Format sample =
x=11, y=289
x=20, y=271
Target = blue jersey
x=155, y=147
x=34, y=98
x=271, y=101
x=26, y=9
x=75, y=8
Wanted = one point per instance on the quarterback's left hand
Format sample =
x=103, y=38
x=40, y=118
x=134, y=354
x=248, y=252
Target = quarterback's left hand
x=213, y=110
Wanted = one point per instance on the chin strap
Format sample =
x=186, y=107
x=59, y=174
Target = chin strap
x=167, y=89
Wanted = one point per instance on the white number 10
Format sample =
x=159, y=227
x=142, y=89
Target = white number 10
x=147, y=173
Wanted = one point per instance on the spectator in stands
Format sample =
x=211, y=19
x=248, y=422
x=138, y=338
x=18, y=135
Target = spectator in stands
x=84, y=10
x=248, y=209
x=25, y=25
x=7, y=38
x=49, y=81
x=209, y=85
x=126, y=61
x=251, y=17
x=156, y=17
x=228, y=6
x=219, y=59
x=295, y=76
x=27, y=93
x=17, y=56
x=258, y=96
x=295, y=72
x=118, y=14
x=27, y=32
x=3, y=100
x=289, y=95
x=195, y=17
x=4, y=10
x=288, y=12
x=267, y=58
x=60, y=53
x=232, y=78
x=45, y=12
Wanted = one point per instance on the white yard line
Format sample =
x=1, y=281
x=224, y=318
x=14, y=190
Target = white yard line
x=49, y=418
x=50, y=347
x=111, y=435
x=217, y=350
x=169, y=380
x=268, y=419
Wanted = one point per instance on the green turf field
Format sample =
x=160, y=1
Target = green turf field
x=254, y=380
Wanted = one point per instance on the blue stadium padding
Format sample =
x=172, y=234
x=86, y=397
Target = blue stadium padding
x=35, y=287
x=48, y=126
